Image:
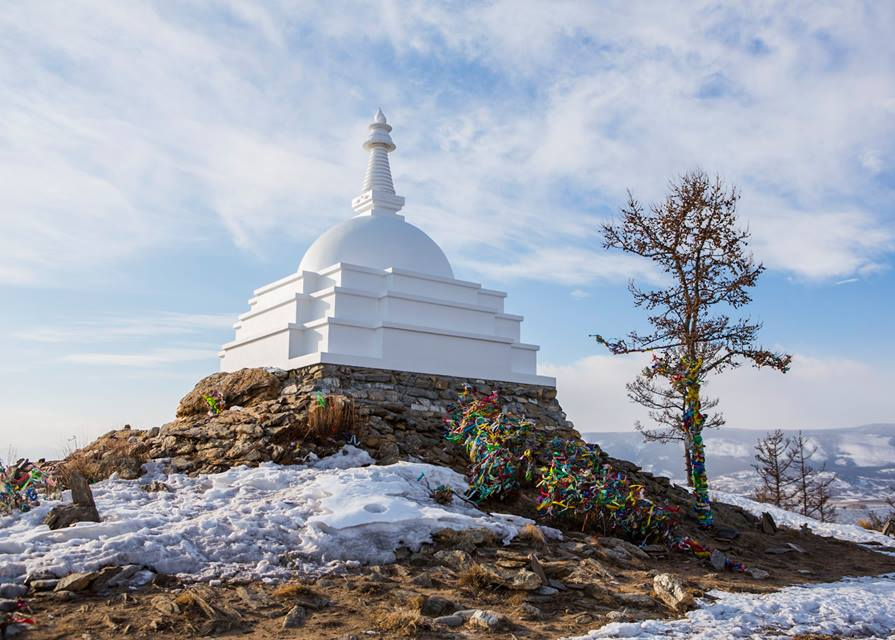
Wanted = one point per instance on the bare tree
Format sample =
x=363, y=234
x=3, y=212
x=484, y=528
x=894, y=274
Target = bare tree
x=822, y=496
x=694, y=238
x=774, y=462
x=811, y=494
x=800, y=452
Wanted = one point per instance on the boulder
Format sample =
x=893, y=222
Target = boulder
x=67, y=514
x=437, y=606
x=455, y=559
x=76, y=581
x=486, y=619
x=768, y=525
x=243, y=388
x=295, y=617
x=82, y=509
x=718, y=560
x=670, y=589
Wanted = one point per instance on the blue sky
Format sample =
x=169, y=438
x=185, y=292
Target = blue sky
x=159, y=161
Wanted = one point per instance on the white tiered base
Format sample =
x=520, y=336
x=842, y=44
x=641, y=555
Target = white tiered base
x=385, y=319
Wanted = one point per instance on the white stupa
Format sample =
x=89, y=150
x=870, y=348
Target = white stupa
x=376, y=291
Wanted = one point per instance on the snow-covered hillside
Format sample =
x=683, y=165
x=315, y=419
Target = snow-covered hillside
x=863, y=459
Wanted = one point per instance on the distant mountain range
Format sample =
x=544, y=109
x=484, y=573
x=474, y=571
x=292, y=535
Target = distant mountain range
x=863, y=459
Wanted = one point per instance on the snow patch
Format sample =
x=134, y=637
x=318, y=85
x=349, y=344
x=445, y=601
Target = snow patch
x=792, y=520
x=853, y=607
x=251, y=523
x=869, y=451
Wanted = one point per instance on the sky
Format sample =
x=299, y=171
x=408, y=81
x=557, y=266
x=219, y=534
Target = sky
x=159, y=161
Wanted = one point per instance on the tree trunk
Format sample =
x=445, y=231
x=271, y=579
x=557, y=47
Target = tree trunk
x=688, y=463
x=692, y=422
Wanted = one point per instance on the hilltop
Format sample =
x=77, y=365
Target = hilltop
x=310, y=503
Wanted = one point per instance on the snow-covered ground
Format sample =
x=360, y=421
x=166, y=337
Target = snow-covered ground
x=792, y=520
x=263, y=522
x=850, y=608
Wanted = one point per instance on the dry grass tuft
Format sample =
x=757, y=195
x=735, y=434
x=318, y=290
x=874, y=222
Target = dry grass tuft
x=869, y=524
x=475, y=577
x=331, y=416
x=405, y=622
x=291, y=590
x=417, y=602
x=532, y=533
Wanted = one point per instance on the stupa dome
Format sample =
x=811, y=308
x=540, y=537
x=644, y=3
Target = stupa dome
x=379, y=242
x=378, y=237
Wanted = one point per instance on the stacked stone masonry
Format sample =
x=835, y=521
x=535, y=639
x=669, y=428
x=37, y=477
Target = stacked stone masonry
x=400, y=415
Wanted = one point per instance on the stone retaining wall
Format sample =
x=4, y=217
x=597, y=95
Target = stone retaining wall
x=402, y=414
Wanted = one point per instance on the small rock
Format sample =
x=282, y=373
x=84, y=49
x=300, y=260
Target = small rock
x=670, y=589
x=486, y=619
x=295, y=618
x=530, y=612
x=639, y=600
x=75, y=581
x=456, y=559
x=452, y=620
x=164, y=605
x=8, y=605
x=289, y=390
x=156, y=486
x=718, y=560
x=436, y=605
x=768, y=525
x=617, y=616
x=758, y=574
x=546, y=591
x=11, y=590
x=44, y=585
x=632, y=550
x=725, y=533
x=125, y=576
x=525, y=580
x=537, y=569
x=422, y=580
x=778, y=551
x=656, y=549
x=556, y=584
x=388, y=453
x=104, y=577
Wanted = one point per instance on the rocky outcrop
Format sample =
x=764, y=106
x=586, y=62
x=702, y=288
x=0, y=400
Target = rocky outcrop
x=266, y=415
x=243, y=388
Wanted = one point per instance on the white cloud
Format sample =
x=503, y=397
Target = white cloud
x=150, y=358
x=116, y=328
x=579, y=294
x=132, y=127
x=818, y=392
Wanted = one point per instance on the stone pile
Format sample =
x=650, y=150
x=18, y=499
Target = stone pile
x=264, y=416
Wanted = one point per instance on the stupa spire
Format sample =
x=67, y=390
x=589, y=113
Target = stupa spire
x=378, y=190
